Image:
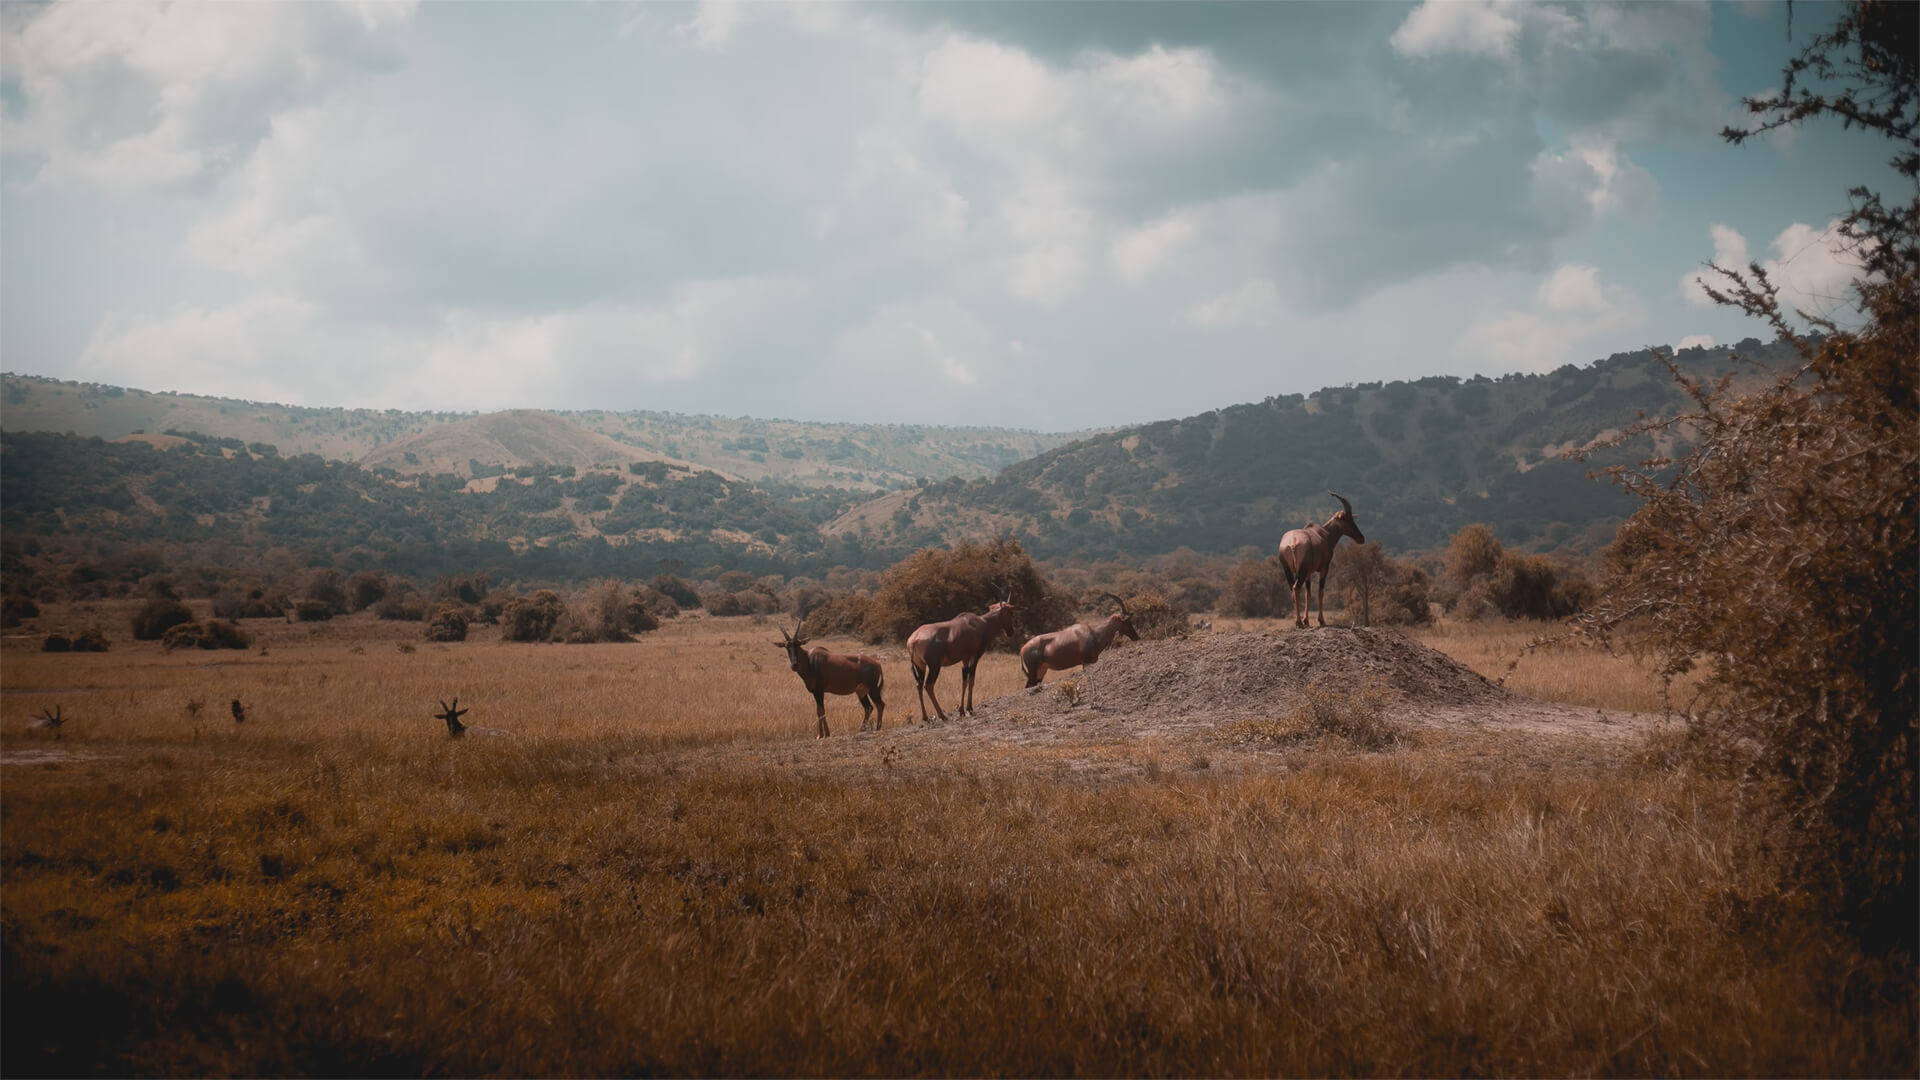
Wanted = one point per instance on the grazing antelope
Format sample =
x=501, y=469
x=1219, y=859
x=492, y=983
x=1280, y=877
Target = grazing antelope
x=239, y=712
x=961, y=640
x=1308, y=551
x=455, y=729
x=825, y=672
x=49, y=719
x=1075, y=646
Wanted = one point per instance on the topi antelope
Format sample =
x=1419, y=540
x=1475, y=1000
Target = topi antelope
x=1078, y=645
x=1308, y=551
x=825, y=672
x=455, y=729
x=49, y=719
x=961, y=640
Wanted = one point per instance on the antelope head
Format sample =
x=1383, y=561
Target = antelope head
x=1004, y=610
x=1123, y=619
x=452, y=714
x=795, y=645
x=1343, y=522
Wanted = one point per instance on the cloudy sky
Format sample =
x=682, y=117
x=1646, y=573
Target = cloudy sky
x=1049, y=216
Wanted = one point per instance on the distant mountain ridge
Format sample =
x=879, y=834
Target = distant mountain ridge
x=870, y=457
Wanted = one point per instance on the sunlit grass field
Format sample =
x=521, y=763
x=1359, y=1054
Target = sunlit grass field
x=660, y=871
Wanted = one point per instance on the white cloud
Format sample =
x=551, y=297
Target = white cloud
x=1571, y=309
x=158, y=94
x=1254, y=302
x=1813, y=268
x=1572, y=288
x=1139, y=252
x=1473, y=27
x=714, y=22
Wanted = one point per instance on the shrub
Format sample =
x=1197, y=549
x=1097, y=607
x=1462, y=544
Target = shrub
x=532, y=618
x=1782, y=547
x=16, y=609
x=90, y=640
x=366, y=589
x=1156, y=618
x=1257, y=590
x=406, y=605
x=839, y=615
x=312, y=610
x=157, y=616
x=215, y=634
x=230, y=603
x=611, y=612
x=657, y=603
x=676, y=590
x=1356, y=713
x=724, y=603
x=460, y=588
x=326, y=587
x=933, y=585
x=448, y=624
x=56, y=643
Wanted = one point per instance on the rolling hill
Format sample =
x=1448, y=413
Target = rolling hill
x=868, y=457
x=1418, y=459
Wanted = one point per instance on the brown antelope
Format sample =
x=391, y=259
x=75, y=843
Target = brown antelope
x=239, y=712
x=961, y=640
x=825, y=672
x=1078, y=645
x=455, y=729
x=1308, y=551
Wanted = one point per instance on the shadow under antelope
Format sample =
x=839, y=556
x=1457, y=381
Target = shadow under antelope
x=455, y=729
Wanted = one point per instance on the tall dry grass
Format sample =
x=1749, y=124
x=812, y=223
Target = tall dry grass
x=660, y=872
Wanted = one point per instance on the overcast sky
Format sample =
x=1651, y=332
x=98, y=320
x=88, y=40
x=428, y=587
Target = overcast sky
x=1049, y=216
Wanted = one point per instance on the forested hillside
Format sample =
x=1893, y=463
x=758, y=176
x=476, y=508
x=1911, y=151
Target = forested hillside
x=1418, y=459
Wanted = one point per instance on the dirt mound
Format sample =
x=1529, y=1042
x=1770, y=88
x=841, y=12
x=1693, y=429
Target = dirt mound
x=1261, y=674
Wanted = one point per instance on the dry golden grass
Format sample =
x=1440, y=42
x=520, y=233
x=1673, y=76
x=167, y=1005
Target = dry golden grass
x=661, y=872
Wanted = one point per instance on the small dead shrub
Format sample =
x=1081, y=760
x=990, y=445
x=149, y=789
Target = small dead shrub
x=839, y=615
x=1356, y=713
x=90, y=640
x=1157, y=618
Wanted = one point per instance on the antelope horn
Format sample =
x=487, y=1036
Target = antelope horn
x=1122, y=603
x=1343, y=500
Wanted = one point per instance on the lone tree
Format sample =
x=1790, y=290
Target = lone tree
x=1780, y=551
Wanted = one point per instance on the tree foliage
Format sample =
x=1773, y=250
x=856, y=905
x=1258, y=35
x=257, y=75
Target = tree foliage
x=1780, y=551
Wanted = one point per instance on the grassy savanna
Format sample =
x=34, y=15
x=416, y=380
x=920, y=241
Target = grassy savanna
x=660, y=871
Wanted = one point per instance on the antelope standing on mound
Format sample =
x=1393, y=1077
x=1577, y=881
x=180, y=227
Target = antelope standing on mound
x=1077, y=646
x=1308, y=551
x=961, y=640
x=455, y=729
x=826, y=672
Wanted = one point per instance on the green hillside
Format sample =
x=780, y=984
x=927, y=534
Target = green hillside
x=1418, y=459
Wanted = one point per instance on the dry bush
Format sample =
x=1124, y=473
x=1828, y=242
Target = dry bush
x=673, y=588
x=312, y=610
x=401, y=604
x=1484, y=580
x=611, y=612
x=720, y=602
x=467, y=589
x=324, y=586
x=1257, y=590
x=91, y=639
x=1378, y=590
x=1780, y=552
x=1356, y=713
x=448, y=624
x=16, y=609
x=366, y=589
x=1156, y=618
x=157, y=616
x=932, y=585
x=56, y=643
x=839, y=615
x=532, y=618
x=213, y=634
